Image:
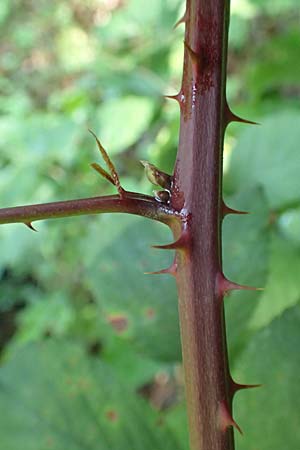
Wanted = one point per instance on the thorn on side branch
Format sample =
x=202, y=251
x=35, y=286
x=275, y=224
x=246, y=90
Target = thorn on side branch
x=30, y=226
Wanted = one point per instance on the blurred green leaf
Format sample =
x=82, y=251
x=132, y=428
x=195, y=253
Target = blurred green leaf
x=55, y=396
x=177, y=419
x=122, y=121
x=268, y=156
x=146, y=305
x=275, y=6
x=272, y=69
x=283, y=287
x=245, y=259
x=269, y=416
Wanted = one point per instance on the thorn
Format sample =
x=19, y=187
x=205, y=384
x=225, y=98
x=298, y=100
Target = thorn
x=224, y=286
x=178, y=97
x=173, y=97
x=180, y=244
x=195, y=59
x=231, y=117
x=111, y=167
x=193, y=55
x=181, y=20
x=102, y=172
x=29, y=225
x=239, y=387
x=226, y=210
x=170, y=270
x=226, y=419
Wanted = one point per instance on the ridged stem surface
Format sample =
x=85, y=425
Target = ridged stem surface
x=197, y=194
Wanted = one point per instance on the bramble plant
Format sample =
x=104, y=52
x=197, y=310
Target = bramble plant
x=192, y=204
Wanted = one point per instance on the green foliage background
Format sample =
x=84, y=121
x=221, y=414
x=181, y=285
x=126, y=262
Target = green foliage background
x=90, y=346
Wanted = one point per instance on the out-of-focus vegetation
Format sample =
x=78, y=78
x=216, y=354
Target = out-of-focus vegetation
x=90, y=346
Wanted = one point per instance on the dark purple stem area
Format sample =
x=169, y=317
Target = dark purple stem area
x=197, y=194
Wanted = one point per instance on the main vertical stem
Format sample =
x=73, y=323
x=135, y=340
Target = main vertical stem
x=197, y=194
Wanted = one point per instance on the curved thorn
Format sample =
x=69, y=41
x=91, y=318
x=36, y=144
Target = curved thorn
x=195, y=60
x=231, y=117
x=170, y=271
x=235, y=118
x=29, y=225
x=235, y=387
x=180, y=244
x=226, y=419
x=102, y=172
x=224, y=286
x=227, y=210
x=193, y=55
x=181, y=20
x=179, y=98
x=173, y=97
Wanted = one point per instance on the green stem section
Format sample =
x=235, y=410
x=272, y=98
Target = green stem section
x=197, y=194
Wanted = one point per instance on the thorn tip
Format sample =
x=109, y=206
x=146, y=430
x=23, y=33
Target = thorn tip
x=235, y=387
x=170, y=270
x=180, y=244
x=226, y=419
x=224, y=286
x=231, y=117
x=29, y=225
x=181, y=20
x=227, y=210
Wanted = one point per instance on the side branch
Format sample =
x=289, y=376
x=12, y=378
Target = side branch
x=131, y=203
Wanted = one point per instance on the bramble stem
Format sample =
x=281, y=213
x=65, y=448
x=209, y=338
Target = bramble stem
x=131, y=203
x=197, y=193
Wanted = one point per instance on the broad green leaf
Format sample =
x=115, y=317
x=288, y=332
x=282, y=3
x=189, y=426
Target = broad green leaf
x=117, y=253
x=122, y=121
x=282, y=287
x=268, y=156
x=272, y=71
x=55, y=396
x=269, y=416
